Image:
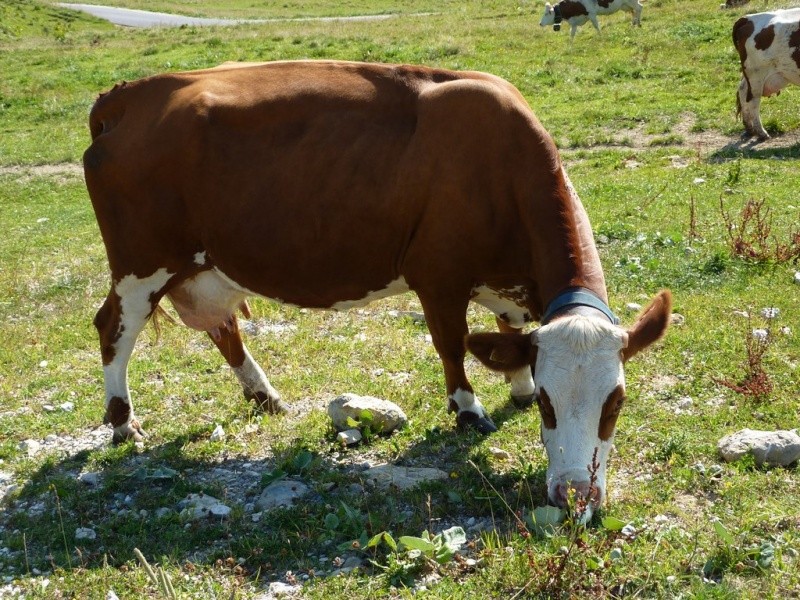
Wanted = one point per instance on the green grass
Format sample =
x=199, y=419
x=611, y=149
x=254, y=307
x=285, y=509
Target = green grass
x=645, y=120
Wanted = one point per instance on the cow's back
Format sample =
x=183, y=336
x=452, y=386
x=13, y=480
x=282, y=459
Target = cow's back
x=318, y=161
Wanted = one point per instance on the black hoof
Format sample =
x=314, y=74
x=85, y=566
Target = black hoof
x=522, y=402
x=469, y=420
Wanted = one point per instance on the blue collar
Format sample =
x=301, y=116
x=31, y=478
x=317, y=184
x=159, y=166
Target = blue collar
x=577, y=296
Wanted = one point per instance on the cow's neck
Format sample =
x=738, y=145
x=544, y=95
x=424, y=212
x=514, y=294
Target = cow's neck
x=569, y=257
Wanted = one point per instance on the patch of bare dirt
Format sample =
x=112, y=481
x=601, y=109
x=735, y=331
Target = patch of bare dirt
x=683, y=136
x=63, y=171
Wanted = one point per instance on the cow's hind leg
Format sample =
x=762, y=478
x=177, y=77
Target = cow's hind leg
x=749, y=105
x=447, y=323
x=522, y=387
x=254, y=381
x=119, y=322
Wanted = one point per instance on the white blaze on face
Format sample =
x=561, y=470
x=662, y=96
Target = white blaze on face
x=578, y=367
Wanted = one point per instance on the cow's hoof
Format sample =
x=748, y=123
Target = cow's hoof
x=130, y=431
x=522, y=402
x=265, y=403
x=469, y=420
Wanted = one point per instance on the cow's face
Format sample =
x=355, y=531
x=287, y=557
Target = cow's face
x=549, y=16
x=577, y=364
x=580, y=388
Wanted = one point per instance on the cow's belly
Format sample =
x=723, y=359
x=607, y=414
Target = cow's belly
x=510, y=304
x=209, y=299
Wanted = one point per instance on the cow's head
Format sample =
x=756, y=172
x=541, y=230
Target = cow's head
x=551, y=17
x=577, y=363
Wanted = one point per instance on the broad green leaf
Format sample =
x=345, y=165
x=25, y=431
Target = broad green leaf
x=613, y=523
x=723, y=533
x=416, y=543
x=351, y=422
x=331, y=521
x=387, y=537
x=444, y=555
x=454, y=538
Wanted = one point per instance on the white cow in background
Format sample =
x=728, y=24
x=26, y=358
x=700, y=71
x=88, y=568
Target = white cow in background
x=768, y=44
x=577, y=12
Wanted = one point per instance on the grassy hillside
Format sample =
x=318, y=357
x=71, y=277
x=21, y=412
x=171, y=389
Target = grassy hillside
x=645, y=121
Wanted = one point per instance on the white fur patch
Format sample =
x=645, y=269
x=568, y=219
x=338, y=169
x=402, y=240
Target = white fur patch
x=511, y=303
x=136, y=306
x=393, y=288
x=467, y=401
x=200, y=258
x=253, y=378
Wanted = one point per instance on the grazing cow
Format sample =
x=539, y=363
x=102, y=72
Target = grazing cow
x=577, y=12
x=769, y=50
x=330, y=184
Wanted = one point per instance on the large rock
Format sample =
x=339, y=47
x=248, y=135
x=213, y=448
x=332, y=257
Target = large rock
x=403, y=478
x=385, y=416
x=767, y=447
x=281, y=493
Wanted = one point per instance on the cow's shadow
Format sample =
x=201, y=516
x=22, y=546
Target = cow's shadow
x=136, y=503
x=755, y=148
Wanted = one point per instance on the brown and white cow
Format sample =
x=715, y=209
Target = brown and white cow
x=769, y=50
x=577, y=12
x=330, y=184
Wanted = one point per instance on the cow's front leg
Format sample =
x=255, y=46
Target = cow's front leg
x=119, y=322
x=749, y=103
x=254, y=381
x=593, y=19
x=447, y=323
x=522, y=386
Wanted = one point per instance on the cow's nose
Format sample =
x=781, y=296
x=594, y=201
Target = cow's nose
x=576, y=489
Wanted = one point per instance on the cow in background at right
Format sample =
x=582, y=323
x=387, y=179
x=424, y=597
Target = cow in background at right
x=769, y=48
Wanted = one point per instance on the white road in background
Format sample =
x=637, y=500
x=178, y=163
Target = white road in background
x=129, y=17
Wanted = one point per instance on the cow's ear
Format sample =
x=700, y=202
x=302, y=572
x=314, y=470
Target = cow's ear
x=650, y=326
x=506, y=352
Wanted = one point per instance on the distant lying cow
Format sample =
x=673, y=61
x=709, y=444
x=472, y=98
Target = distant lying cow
x=769, y=49
x=733, y=3
x=577, y=12
x=329, y=184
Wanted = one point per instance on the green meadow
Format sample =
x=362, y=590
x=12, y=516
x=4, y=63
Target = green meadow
x=645, y=120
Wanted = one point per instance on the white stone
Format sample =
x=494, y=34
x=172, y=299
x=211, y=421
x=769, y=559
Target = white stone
x=499, y=453
x=279, y=589
x=281, y=493
x=85, y=533
x=685, y=402
x=797, y=277
x=386, y=416
x=770, y=312
x=218, y=434
x=403, y=478
x=677, y=319
x=30, y=447
x=349, y=437
x=89, y=478
x=67, y=406
x=200, y=506
x=767, y=447
x=633, y=307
